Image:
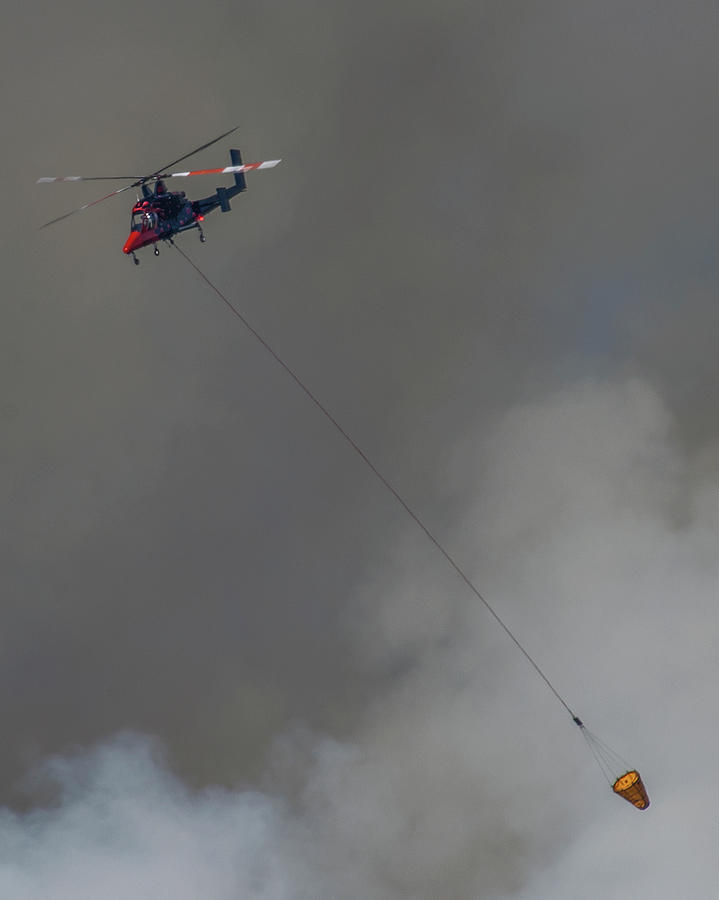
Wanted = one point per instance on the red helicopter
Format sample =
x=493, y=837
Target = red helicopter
x=161, y=214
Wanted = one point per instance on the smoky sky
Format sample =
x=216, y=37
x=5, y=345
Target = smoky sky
x=490, y=250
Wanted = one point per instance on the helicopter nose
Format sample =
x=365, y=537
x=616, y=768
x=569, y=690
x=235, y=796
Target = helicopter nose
x=132, y=241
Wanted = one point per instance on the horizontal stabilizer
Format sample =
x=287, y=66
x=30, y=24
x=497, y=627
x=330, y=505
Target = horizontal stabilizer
x=224, y=199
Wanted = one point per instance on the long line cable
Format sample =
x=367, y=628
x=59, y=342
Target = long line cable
x=387, y=484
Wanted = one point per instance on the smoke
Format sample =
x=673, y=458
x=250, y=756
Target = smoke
x=124, y=827
x=464, y=778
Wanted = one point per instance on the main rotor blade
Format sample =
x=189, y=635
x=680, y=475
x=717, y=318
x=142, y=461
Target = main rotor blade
x=137, y=179
x=192, y=153
x=89, y=178
x=228, y=170
x=87, y=205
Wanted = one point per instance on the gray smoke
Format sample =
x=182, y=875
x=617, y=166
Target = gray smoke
x=465, y=778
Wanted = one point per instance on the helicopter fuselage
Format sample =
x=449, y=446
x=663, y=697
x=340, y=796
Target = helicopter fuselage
x=160, y=214
x=159, y=217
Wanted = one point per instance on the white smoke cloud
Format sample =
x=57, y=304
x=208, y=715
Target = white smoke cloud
x=465, y=779
x=124, y=827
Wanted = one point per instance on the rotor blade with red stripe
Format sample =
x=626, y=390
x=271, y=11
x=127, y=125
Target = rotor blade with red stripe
x=192, y=153
x=228, y=170
x=138, y=179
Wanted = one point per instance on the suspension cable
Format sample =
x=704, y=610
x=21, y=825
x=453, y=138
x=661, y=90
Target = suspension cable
x=608, y=760
x=387, y=484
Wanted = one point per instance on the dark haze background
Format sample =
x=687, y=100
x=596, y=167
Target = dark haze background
x=495, y=225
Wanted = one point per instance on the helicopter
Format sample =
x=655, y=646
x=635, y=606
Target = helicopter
x=159, y=214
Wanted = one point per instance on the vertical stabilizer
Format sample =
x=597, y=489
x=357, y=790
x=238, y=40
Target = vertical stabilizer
x=236, y=158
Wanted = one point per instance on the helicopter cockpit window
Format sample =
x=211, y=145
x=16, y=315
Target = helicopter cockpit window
x=144, y=220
